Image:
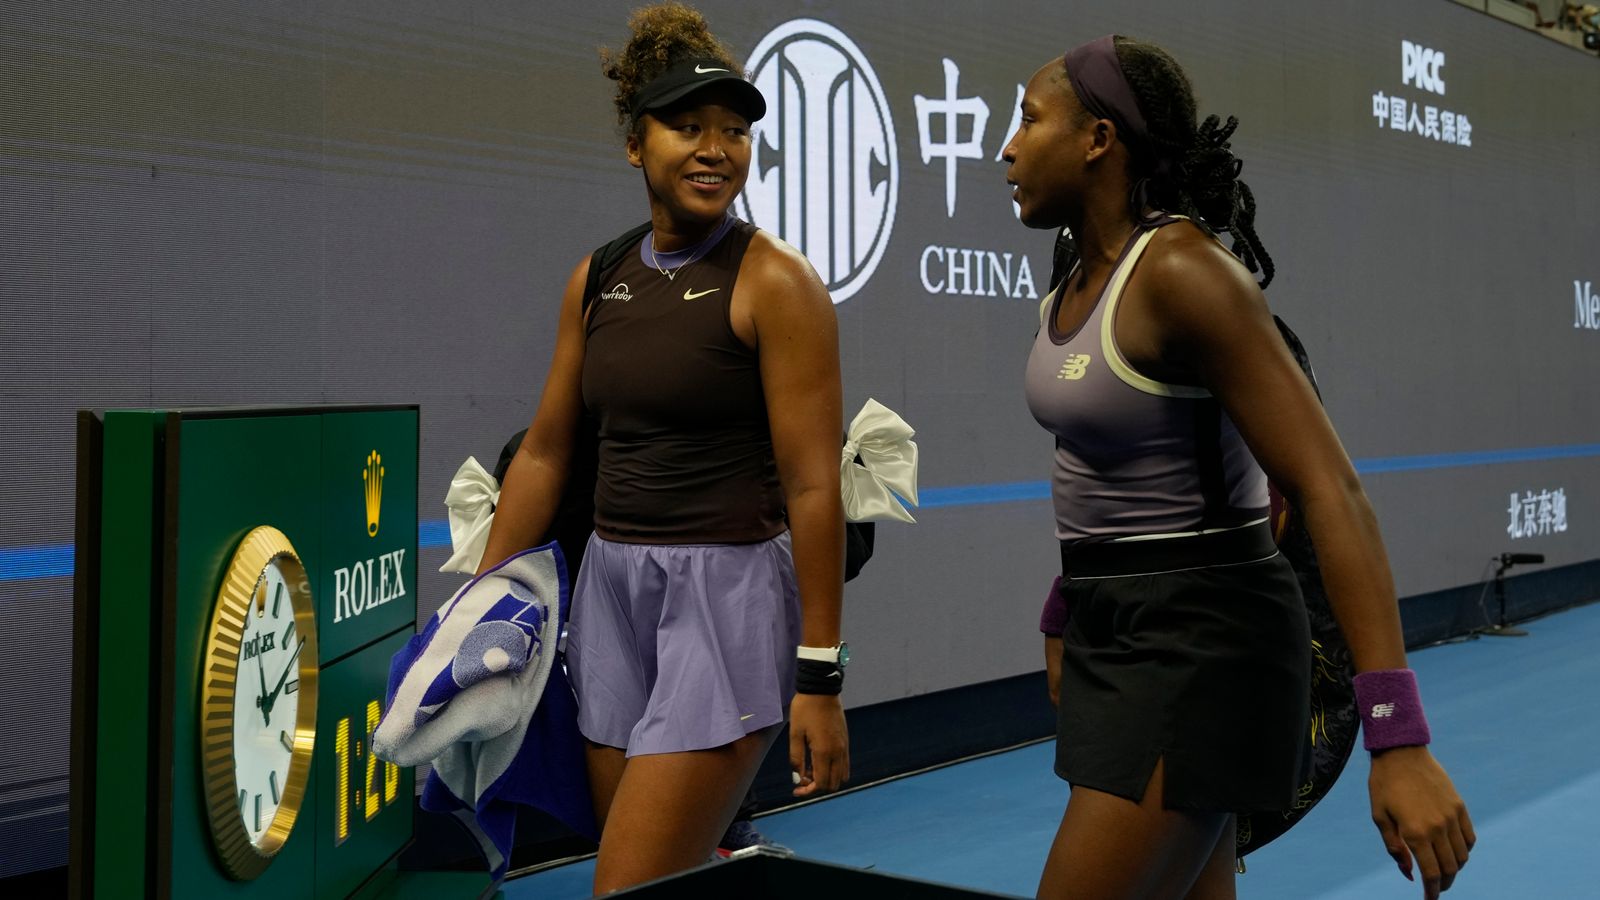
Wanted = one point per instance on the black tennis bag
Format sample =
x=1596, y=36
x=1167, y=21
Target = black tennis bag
x=1334, y=724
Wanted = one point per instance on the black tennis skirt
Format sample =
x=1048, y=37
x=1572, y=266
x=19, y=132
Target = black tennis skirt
x=1192, y=649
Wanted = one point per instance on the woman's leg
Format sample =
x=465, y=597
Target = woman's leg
x=1109, y=848
x=605, y=772
x=1216, y=881
x=668, y=809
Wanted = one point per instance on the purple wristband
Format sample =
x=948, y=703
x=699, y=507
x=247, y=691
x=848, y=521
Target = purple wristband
x=1391, y=709
x=1053, y=620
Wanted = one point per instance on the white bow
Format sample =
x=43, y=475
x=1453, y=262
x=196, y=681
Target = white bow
x=871, y=489
x=887, y=473
x=471, y=499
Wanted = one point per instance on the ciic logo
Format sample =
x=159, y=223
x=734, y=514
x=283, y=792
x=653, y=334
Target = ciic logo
x=1074, y=367
x=1421, y=67
x=372, y=477
x=824, y=172
x=620, y=292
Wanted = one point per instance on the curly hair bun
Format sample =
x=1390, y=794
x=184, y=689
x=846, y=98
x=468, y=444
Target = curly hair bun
x=660, y=36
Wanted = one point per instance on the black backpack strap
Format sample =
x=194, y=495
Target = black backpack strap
x=1062, y=257
x=605, y=258
x=574, y=517
x=1298, y=351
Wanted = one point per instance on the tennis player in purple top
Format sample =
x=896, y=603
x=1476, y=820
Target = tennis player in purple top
x=1177, y=642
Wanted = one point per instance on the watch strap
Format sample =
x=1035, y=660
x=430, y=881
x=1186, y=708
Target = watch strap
x=819, y=654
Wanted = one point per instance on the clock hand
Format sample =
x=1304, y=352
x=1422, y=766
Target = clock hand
x=282, y=679
x=263, y=701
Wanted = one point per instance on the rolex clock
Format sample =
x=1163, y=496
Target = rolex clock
x=258, y=705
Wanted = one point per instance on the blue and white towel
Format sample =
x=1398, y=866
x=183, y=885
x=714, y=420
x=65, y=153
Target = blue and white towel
x=482, y=696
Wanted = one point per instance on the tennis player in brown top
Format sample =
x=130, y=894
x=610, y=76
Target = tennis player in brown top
x=1183, y=658
x=710, y=591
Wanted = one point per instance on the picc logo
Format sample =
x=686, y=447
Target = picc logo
x=1421, y=67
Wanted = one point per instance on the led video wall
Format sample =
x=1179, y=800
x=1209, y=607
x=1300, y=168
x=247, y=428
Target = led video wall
x=379, y=202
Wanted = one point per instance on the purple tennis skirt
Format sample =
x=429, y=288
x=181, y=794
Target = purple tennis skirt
x=675, y=648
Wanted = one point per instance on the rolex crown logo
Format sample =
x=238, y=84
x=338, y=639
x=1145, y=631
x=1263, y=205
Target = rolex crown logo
x=372, y=475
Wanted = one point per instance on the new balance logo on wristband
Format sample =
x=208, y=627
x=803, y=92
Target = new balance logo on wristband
x=1391, y=709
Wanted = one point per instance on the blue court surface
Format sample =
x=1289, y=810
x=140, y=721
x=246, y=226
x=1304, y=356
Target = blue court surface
x=1516, y=721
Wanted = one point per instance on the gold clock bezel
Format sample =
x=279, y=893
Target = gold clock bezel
x=240, y=858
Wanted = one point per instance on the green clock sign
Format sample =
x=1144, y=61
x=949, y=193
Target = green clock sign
x=243, y=578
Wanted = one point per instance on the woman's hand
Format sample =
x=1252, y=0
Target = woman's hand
x=819, y=744
x=1052, y=667
x=1419, y=814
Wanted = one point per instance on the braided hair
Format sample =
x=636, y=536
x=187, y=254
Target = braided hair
x=1188, y=168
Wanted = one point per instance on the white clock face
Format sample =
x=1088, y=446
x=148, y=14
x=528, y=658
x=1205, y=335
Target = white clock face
x=265, y=701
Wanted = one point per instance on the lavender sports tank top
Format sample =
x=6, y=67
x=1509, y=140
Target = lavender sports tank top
x=1134, y=456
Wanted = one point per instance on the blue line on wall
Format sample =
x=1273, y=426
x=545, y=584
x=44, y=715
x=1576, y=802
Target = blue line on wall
x=1383, y=464
x=55, y=560
x=435, y=533
x=18, y=563
x=979, y=494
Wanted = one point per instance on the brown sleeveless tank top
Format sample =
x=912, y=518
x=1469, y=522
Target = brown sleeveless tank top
x=685, y=448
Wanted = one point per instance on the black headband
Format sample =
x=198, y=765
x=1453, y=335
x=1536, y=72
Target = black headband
x=1097, y=79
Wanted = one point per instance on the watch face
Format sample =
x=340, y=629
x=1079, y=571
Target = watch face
x=258, y=714
x=266, y=700
x=844, y=654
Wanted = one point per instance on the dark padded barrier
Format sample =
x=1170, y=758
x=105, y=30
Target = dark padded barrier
x=773, y=877
x=1461, y=610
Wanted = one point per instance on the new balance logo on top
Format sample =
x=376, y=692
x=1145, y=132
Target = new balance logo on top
x=1074, y=367
x=1382, y=710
